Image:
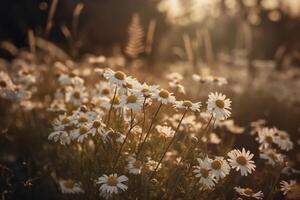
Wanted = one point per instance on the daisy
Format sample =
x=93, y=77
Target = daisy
x=134, y=166
x=112, y=184
x=80, y=117
x=188, y=105
x=61, y=136
x=257, y=125
x=219, y=167
x=147, y=90
x=62, y=122
x=231, y=127
x=219, y=106
x=103, y=89
x=64, y=80
x=203, y=172
x=131, y=84
x=76, y=95
x=117, y=78
x=199, y=78
x=218, y=80
x=7, y=87
x=283, y=141
x=174, y=76
x=116, y=102
x=286, y=187
x=248, y=192
x=80, y=133
x=97, y=126
x=132, y=101
x=266, y=137
x=164, y=96
x=271, y=156
x=70, y=187
x=167, y=131
x=241, y=160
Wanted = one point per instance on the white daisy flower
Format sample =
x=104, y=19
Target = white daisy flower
x=283, y=140
x=219, y=167
x=271, y=156
x=248, y=192
x=200, y=79
x=7, y=87
x=116, y=102
x=64, y=80
x=219, y=106
x=218, y=80
x=166, y=131
x=70, y=187
x=164, y=96
x=80, y=133
x=257, y=125
x=188, y=105
x=133, y=101
x=266, y=137
x=286, y=187
x=134, y=166
x=97, y=127
x=61, y=136
x=62, y=122
x=117, y=78
x=203, y=172
x=241, y=161
x=131, y=84
x=76, y=95
x=147, y=90
x=80, y=117
x=103, y=89
x=174, y=76
x=112, y=184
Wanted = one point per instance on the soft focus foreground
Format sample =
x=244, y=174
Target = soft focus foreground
x=182, y=118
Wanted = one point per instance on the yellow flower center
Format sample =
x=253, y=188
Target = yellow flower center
x=82, y=118
x=83, y=129
x=269, y=139
x=3, y=84
x=112, y=181
x=220, y=103
x=105, y=91
x=216, y=164
x=241, y=160
x=69, y=184
x=65, y=120
x=116, y=101
x=120, y=75
x=131, y=99
x=128, y=85
x=248, y=191
x=273, y=156
x=76, y=95
x=283, y=136
x=164, y=94
x=187, y=103
x=204, y=172
x=96, y=124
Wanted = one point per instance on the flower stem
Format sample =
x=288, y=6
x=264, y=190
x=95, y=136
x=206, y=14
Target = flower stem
x=143, y=123
x=149, y=130
x=111, y=107
x=125, y=139
x=169, y=145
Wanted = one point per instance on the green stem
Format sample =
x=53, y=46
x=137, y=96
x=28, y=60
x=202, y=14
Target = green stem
x=149, y=130
x=169, y=145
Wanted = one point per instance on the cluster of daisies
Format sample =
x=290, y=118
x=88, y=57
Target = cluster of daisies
x=16, y=87
x=88, y=114
x=113, y=111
